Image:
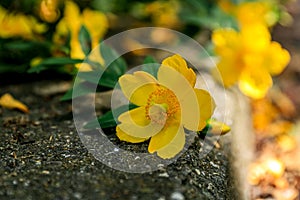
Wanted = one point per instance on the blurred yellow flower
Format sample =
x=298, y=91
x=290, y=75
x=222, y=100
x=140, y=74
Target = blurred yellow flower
x=49, y=11
x=164, y=13
x=166, y=105
x=95, y=21
x=249, y=57
x=268, y=118
x=263, y=12
x=19, y=25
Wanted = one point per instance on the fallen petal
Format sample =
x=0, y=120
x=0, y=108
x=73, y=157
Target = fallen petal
x=7, y=101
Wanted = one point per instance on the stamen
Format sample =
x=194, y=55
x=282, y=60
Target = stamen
x=165, y=105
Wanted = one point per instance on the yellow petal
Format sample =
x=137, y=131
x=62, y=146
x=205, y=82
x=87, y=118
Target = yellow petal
x=48, y=10
x=276, y=59
x=225, y=40
x=134, y=123
x=61, y=32
x=136, y=115
x=255, y=83
x=76, y=51
x=84, y=67
x=72, y=16
x=96, y=56
x=164, y=137
x=127, y=138
x=138, y=86
x=97, y=24
x=228, y=46
x=226, y=72
x=217, y=128
x=206, y=106
x=256, y=12
x=177, y=83
x=9, y=102
x=174, y=147
x=179, y=64
x=255, y=37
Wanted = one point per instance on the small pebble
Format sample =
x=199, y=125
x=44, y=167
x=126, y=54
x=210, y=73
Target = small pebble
x=197, y=171
x=164, y=175
x=177, y=196
x=210, y=186
x=160, y=166
x=66, y=155
x=136, y=158
x=134, y=198
x=77, y=195
x=45, y=172
x=38, y=162
x=36, y=123
x=26, y=183
x=214, y=165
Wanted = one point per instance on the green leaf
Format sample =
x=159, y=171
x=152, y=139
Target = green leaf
x=19, y=45
x=94, y=64
x=90, y=76
x=117, y=64
x=85, y=40
x=23, y=45
x=150, y=66
x=108, y=119
x=5, y=67
x=215, y=18
x=110, y=76
x=82, y=88
x=107, y=79
x=51, y=62
x=116, y=68
x=108, y=53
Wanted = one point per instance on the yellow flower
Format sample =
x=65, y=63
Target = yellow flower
x=95, y=21
x=252, y=12
x=19, y=25
x=262, y=12
x=167, y=105
x=164, y=13
x=49, y=11
x=249, y=57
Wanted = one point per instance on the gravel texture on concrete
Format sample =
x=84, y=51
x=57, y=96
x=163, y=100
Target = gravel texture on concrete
x=42, y=157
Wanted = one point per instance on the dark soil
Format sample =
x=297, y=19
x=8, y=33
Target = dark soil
x=42, y=157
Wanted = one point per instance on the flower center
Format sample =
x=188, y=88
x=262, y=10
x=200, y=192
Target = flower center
x=161, y=105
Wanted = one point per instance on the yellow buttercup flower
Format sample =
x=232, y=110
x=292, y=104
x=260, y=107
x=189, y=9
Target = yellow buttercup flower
x=249, y=57
x=19, y=25
x=167, y=105
x=164, y=13
x=49, y=11
x=95, y=22
x=263, y=12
